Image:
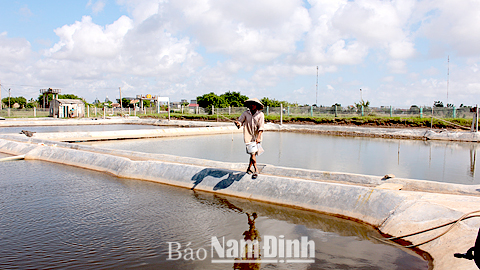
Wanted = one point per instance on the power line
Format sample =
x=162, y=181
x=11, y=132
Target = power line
x=2, y=86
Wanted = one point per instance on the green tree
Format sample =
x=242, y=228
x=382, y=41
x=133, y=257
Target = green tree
x=338, y=105
x=102, y=104
x=270, y=102
x=18, y=100
x=60, y=96
x=285, y=104
x=414, y=109
x=21, y=101
x=207, y=100
x=234, y=99
x=438, y=104
x=69, y=96
x=146, y=103
x=363, y=103
x=276, y=103
x=126, y=103
x=32, y=103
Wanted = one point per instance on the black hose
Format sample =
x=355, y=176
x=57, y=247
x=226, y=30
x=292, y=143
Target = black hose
x=452, y=223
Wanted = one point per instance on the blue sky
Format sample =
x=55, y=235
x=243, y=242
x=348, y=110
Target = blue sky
x=395, y=51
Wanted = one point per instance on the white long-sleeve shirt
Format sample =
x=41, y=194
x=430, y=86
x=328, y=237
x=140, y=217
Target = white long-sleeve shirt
x=252, y=124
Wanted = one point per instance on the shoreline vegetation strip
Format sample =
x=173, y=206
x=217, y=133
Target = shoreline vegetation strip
x=370, y=121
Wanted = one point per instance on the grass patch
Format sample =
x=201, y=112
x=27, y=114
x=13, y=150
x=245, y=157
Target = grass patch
x=378, y=121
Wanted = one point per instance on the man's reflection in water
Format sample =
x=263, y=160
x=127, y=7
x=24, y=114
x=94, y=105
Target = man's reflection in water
x=250, y=236
x=473, y=160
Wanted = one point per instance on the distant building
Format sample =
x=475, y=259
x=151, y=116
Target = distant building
x=62, y=108
x=193, y=108
x=175, y=105
x=134, y=101
x=45, y=93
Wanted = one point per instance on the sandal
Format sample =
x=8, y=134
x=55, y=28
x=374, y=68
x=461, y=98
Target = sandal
x=249, y=171
x=254, y=175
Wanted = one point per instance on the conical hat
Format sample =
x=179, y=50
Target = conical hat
x=256, y=101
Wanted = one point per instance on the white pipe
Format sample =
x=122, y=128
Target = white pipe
x=13, y=158
x=281, y=114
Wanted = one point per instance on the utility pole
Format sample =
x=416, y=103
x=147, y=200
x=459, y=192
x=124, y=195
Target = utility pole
x=9, y=102
x=316, y=90
x=121, y=105
x=448, y=77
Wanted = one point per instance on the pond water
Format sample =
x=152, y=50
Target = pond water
x=426, y=160
x=83, y=128
x=60, y=217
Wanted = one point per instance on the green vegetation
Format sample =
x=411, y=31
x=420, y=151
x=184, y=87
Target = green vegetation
x=228, y=99
x=60, y=96
x=377, y=121
x=293, y=113
x=21, y=101
x=363, y=104
x=235, y=99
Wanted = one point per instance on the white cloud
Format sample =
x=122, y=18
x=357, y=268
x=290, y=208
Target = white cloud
x=345, y=32
x=388, y=79
x=341, y=54
x=97, y=7
x=397, y=66
x=25, y=12
x=13, y=50
x=248, y=31
x=86, y=39
x=122, y=48
x=269, y=76
x=401, y=50
x=300, y=91
x=474, y=68
x=142, y=10
x=262, y=47
x=454, y=23
x=432, y=71
x=16, y=58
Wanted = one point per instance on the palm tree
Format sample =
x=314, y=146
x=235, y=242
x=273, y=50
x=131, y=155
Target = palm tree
x=363, y=104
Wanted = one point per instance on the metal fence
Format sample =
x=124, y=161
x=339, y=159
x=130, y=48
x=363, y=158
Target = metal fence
x=108, y=112
x=24, y=113
x=312, y=111
x=307, y=111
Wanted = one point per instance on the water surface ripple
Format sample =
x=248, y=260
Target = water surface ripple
x=451, y=162
x=61, y=217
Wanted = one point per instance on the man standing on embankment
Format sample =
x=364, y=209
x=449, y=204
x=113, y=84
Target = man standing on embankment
x=252, y=121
